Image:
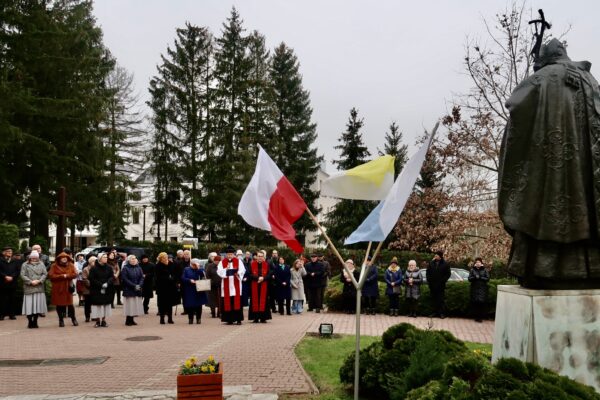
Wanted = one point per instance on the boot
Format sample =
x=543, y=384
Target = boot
x=30, y=322
x=190, y=318
x=35, y=318
x=162, y=319
x=133, y=321
x=74, y=321
x=170, y=317
x=61, y=319
x=128, y=321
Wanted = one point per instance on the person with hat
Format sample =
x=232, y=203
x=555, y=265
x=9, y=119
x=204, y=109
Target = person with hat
x=33, y=275
x=315, y=275
x=231, y=270
x=438, y=274
x=348, y=289
x=412, y=280
x=61, y=274
x=370, y=290
x=148, y=287
x=393, y=279
x=9, y=272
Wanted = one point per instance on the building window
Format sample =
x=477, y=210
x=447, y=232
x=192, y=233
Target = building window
x=135, y=238
x=135, y=196
x=135, y=216
x=157, y=238
x=174, y=239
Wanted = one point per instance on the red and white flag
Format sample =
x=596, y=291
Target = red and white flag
x=270, y=202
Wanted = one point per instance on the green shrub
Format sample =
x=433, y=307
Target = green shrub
x=457, y=298
x=495, y=384
x=405, y=359
x=469, y=367
x=9, y=236
x=431, y=391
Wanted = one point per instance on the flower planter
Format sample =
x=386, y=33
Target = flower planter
x=201, y=386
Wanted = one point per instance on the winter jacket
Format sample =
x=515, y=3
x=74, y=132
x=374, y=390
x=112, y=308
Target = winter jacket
x=395, y=278
x=98, y=276
x=33, y=272
x=371, y=287
x=479, y=278
x=191, y=297
x=132, y=276
x=166, y=285
x=438, y=274
x=9, y=268
x=413, y=291
x=62, y=278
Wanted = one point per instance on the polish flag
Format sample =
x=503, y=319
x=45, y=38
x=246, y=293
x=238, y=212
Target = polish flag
x=270, y=202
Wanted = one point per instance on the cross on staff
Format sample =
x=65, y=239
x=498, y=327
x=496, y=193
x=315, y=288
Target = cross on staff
x=62, y=213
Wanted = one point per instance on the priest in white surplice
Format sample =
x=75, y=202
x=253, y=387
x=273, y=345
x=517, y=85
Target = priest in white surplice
x=231, y=270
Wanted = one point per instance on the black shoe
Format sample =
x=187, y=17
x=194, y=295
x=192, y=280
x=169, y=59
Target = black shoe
x=240, y=322
x=2, y=318
x=12, y=317
x=190, y=321
x=145, y=311
x=87, y=319
x=29, y=322
x=119, y=303
x=230, y=323
x=318, y=310
x=478, y=320
x=112, y=306
x=263, y=321
x=61, y=323
x=97, y=325
x=310, y=309
x=255, y=321
x=170, y=321
x=442, y=316
x=104, y=324
x=128, y=322
x=198, y=321
x=43, y=315
x=133, y=321
x=74, y=322
x=162, y=321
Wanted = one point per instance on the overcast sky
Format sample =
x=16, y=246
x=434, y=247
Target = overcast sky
x=393, y=60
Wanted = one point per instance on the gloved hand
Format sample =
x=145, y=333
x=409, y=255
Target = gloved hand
x=138, y=288
x=104, y=285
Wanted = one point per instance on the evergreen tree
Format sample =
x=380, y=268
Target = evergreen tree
x=124, y=144
x=293, y=148
x=394, y=147
x=163, y=160
x=349, y=214
x=226, y=181
x=183, y=76
x=54, y=65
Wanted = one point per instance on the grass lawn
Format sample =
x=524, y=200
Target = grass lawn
x=322, y=359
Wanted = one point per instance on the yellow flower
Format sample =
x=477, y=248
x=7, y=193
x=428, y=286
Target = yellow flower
x=204, y=369
x=211, y=369
x=193, y=360
x=211, y=359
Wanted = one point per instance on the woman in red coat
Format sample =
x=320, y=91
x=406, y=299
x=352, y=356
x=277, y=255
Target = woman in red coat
x=61, y=274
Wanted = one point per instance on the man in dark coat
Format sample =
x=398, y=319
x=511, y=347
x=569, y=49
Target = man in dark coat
x=214, y=296
x=283, y=276
x=315, y=276
x=479, y=277
x=370, y=290
x=327, y=276
x=438, y=274
x=148, y=288
x=9, y=272
x=273, y=261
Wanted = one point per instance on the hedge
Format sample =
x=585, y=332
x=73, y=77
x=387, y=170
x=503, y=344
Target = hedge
x=457, y=298
x=415, y=364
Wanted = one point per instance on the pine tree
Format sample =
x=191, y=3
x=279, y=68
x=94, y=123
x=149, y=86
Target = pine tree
x=394, y=147
x=349, y=214
x=54, y=56
x=294, y=148
x=124, y=143
x=226, y=181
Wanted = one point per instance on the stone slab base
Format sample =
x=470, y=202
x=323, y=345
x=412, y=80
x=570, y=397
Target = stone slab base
x=556, y=329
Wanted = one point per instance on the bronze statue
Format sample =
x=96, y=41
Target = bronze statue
x=549, y=180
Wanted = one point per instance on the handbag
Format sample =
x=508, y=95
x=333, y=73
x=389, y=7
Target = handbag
x=203, y=285
x=396, y=290
x=71, y=287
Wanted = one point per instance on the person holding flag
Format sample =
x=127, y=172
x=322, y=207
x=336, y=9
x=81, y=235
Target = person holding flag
x=231, y=270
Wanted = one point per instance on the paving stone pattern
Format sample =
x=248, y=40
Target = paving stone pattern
x=260, y=355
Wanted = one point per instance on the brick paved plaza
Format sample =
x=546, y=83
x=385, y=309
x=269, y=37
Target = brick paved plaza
x=260, y=355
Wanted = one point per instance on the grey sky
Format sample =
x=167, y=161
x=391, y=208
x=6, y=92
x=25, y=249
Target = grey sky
x=393, y=60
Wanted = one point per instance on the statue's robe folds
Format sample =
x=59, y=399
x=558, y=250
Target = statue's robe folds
x=549, y=181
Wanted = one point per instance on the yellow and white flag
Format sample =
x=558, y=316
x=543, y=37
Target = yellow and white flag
x=369, y=181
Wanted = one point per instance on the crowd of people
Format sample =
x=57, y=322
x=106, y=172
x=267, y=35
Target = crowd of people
x=225, y=284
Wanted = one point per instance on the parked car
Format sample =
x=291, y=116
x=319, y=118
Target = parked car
x=137, y=251
x=456, y=275
x=88, y=249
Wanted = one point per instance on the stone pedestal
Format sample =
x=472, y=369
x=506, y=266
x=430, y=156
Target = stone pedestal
x=556, y=329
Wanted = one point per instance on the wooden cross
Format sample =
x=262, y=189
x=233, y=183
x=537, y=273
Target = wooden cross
x=62, y=214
